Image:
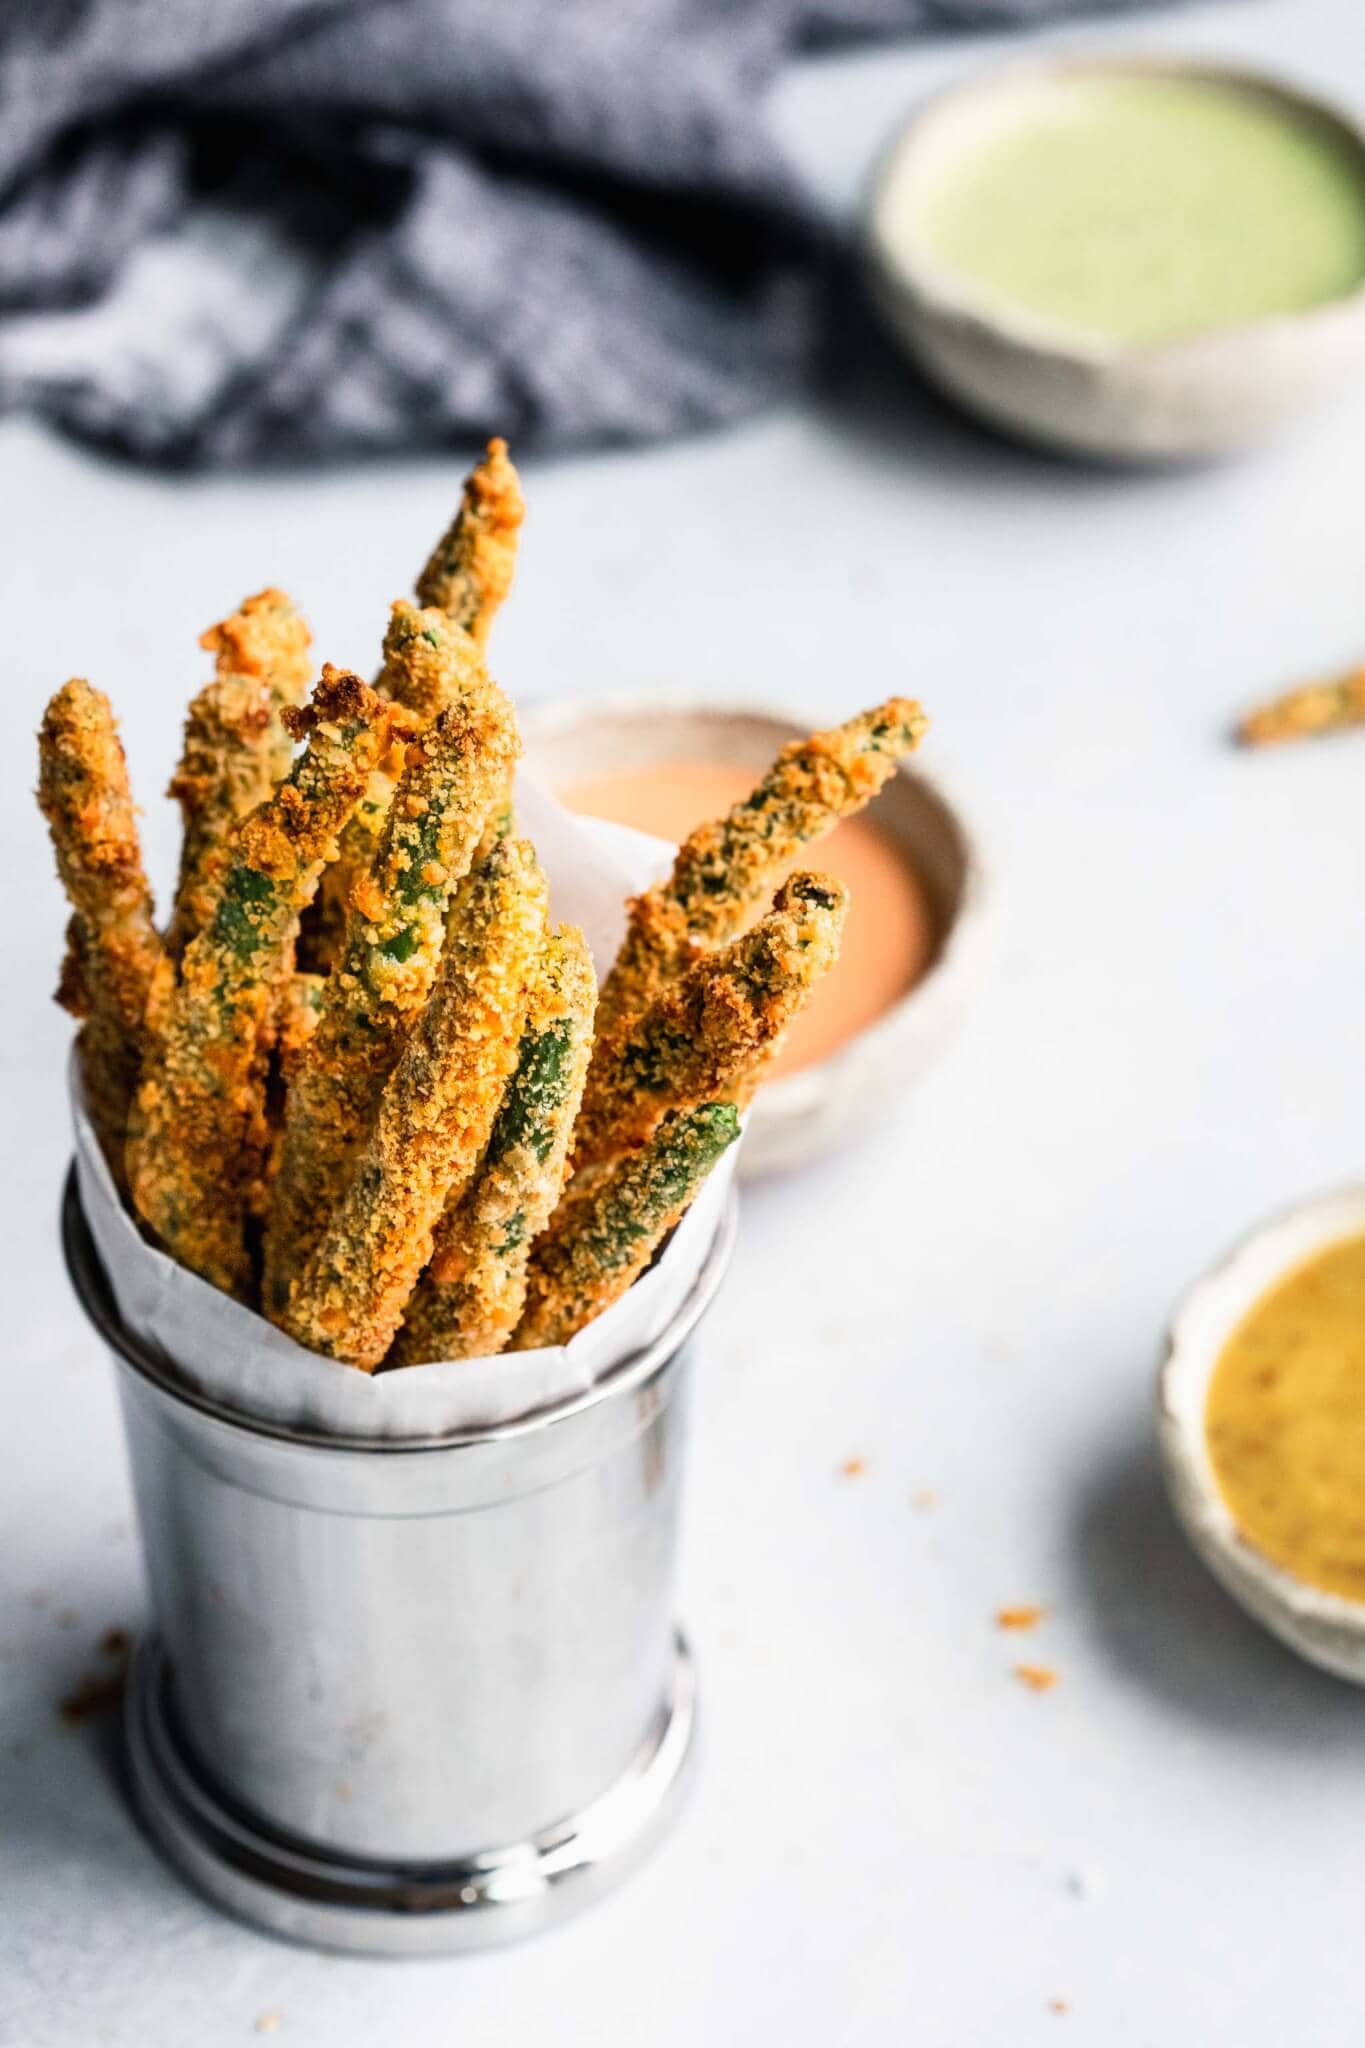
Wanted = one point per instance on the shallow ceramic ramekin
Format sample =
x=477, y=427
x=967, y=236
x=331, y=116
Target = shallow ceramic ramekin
x=1165, y=402
x=1323, y=1627
x=802, y=1115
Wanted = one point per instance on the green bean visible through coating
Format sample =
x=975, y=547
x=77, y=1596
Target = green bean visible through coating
x=386, y=968
x=470, y=1298
x=601, y=1238
x=199, y=1139
x=114, y=953
x=433, y=1120
x=712, y=1029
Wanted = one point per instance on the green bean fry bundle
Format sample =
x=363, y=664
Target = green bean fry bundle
x=363, y=1085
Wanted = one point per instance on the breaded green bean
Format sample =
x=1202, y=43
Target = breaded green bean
x=601, y=1237
x=470, y=1298
x=430, y=664
x=712, y=1029
x=471, y=566
x=430, y=661
x=1307, y=713
x=723, y=871
x=267, y=637
x=113, y=947
x=300, y=1015
x=433, y=1120
x=199, y=1140
x=386, y=967
x=236, y=747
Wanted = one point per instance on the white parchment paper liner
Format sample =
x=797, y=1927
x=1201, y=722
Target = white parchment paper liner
x=235, y=1357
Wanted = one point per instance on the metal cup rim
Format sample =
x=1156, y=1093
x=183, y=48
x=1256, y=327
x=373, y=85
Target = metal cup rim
x=91, y=1286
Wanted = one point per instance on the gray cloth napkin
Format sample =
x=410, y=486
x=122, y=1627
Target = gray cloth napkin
x=232, y=230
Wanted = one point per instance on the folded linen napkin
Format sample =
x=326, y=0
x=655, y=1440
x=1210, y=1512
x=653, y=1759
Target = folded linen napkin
x=239, y=229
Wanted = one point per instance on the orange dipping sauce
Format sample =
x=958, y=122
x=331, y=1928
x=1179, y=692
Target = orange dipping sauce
x=889, y=936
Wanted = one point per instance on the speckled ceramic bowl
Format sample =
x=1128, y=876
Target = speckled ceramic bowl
x=1165, y=402
x=1324, y=1627
x=803, y=1114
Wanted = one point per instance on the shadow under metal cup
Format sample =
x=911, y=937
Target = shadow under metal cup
x=408, y=1697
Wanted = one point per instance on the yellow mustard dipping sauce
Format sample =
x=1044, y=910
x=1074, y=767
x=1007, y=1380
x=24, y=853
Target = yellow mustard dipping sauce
x=1285, y=1421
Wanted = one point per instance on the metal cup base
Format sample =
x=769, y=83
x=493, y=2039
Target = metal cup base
x=303, y=1894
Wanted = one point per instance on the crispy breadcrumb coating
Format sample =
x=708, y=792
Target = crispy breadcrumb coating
x=471, y=566
x=470, y=1298
x=300, y=1014
x=433, y=1120
x=1314, y=710
x=267, y=637
x=236, y=747
x=387, y=965
x=601, y=1237
x=430, y=664
x=113, y=947
x=723, y=871
x=199, y=1138
x=713, y=1029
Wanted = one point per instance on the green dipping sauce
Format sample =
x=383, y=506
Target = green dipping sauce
x=1147, y=208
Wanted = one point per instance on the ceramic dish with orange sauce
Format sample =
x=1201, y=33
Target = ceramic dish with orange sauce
x=913, y=937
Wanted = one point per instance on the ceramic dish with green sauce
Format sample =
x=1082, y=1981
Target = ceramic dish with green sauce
x=1132, y=258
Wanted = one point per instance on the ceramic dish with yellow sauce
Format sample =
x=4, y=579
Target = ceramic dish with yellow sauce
x=1262, y=1425
x=914, y=938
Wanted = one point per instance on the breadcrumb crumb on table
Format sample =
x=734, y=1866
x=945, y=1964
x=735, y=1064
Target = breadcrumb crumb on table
x=853, y=1468
x=1025, y=1615
x=1037, y=1677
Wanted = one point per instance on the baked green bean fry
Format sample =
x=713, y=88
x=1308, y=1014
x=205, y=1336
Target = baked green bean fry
x=236, y=747
x=197, y=1149
x=712, y=1029
x=300, y=1014
x=267, y=637
x=471, y=566
x=469, y=1299
x=429, y=665
x=387, y=965
x=113, y=947
x=724, y=870
x=433, y=1119
x=601, y=1238
x=1308, y=712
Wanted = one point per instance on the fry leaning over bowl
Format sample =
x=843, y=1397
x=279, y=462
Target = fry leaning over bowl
x=364, y=1085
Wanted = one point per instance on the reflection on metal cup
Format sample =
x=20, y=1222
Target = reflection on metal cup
x=408, y=1696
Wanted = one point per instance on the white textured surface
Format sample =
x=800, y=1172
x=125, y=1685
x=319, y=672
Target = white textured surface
x=892, y=1842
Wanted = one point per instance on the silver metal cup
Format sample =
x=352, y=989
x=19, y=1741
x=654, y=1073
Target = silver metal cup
x=408, y=1697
